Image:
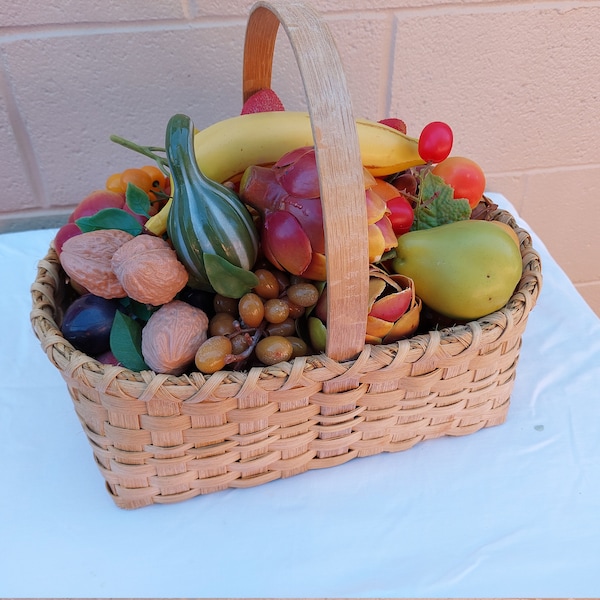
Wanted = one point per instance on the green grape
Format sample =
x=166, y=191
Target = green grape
x=251, y=309
x=273, y=349
x=224, y=304
x=268, y=285
x=296, y=311
x=276, y=310
x=299, y=346
x=240, y=343
x=222, y=323
x=303, y=294
x=285, y=328
x=212, y=354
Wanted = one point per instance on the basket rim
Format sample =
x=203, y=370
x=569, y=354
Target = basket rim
x=487, y=329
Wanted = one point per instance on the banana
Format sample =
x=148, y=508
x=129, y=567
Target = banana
x=226, y=148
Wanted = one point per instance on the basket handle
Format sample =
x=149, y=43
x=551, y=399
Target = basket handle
x=338, y=158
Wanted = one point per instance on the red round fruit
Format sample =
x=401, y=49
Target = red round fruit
x=401, y=215
x=66, y=232
x=435, y=142
x=95, y=202
x=141, y=219
x=465, y=176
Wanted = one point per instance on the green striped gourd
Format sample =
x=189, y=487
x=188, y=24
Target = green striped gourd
x=210, y=228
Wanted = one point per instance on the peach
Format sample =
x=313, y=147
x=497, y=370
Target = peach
x=95, y=202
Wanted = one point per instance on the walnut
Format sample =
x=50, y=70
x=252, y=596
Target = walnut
x=172, y=336
x=86, y=258
x=149, y=270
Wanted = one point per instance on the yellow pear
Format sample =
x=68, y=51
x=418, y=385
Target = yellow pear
x=463, y=270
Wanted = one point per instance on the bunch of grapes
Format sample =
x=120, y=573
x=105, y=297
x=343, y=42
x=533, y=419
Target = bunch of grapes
x=260, y=326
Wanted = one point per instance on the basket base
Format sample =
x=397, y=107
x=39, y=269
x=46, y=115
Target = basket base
x=138, y=478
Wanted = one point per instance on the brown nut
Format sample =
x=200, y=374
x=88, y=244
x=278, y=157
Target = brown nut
x=149, y=270
x=86, y=259
x=172, y=336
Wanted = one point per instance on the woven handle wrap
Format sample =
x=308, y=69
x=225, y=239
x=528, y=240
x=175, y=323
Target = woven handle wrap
x=338, y=158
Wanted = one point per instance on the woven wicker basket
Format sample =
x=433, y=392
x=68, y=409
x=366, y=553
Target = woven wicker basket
x=161, y=439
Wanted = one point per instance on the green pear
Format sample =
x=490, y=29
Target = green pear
x=463, y=270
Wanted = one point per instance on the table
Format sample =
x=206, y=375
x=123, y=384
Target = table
x=510, y=511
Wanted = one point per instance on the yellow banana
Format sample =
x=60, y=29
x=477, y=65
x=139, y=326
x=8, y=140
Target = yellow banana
x=157, y=224
x=226, y=148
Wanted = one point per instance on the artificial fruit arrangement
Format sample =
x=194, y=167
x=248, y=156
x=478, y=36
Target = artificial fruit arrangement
x=217, y=258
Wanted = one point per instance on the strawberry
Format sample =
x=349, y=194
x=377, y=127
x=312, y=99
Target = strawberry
x=398, y=124
x=262, y=101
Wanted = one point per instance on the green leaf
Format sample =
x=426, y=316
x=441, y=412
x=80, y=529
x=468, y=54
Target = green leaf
x=137, y=200
x=110, y=218
x=142, y=311
x=436, y=204
x=126, y=342
x=137, y=310
x=227, y=279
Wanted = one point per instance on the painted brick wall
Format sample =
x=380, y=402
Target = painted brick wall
x=516, y=79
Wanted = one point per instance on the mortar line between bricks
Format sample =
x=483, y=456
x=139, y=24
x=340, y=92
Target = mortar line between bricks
x=22, y=138
x=453, y=8
x=474, y=7
x=57, y=30
x=13, y=33
x=390, y=64
x=544, y=170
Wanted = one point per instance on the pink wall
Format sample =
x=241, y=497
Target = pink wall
x=517, y=80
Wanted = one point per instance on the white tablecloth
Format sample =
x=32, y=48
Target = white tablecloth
x=509, y=511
